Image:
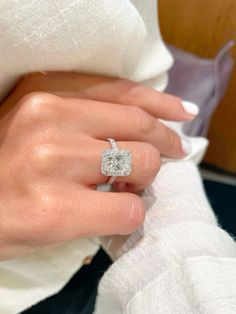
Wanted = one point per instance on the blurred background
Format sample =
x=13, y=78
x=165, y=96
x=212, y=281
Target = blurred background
x=202, y=28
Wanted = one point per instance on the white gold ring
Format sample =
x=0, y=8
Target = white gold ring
x=115, y=162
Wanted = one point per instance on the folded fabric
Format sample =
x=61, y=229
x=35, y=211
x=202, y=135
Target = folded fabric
x=179, y=261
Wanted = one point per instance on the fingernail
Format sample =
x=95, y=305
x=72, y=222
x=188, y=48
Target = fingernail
x=190, y=108
x=186, y=146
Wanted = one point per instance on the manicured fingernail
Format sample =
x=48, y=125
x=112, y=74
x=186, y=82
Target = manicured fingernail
x=186, y=146
x=190, y=108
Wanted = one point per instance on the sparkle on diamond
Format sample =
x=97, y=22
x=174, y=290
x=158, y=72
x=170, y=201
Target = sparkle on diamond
x=116, y=162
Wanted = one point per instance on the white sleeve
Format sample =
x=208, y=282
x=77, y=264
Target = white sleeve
x=179, y=261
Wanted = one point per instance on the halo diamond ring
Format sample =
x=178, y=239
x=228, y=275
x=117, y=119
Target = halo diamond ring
x=115, y=162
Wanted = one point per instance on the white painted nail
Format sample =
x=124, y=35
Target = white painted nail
x=190, y=108
x=186, y=146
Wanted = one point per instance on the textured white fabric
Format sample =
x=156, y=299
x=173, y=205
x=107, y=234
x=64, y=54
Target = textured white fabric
x=179, y=261
x=25, y=281
x=118, y=38
x=105, y=37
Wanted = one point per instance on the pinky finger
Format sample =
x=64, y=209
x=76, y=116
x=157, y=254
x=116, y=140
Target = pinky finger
x=97, y=213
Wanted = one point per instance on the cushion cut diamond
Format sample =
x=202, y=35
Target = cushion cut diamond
x=116, y=162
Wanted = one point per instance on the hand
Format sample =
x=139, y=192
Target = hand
x=50, y=153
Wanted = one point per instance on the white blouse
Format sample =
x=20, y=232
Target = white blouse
x=180, y=261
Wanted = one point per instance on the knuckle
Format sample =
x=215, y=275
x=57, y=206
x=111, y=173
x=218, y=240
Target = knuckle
x=35, y=104
x=150, y=160
x=135, y=213
x=145, y=123
x=131, y=91
x=43, y=158
x=127, y=84
x=173, y=141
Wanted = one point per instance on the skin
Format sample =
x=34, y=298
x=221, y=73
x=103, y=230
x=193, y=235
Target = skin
x=53, y=130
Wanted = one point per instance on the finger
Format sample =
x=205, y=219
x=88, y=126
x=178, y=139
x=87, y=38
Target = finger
x=145, y=164
x=80, y=161
x=95, y=213
x=127, y=123
x=114, y=90
x=126, y=92
x=128, y=187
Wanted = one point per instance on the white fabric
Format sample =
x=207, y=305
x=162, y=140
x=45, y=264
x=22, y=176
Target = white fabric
x=25, y=281
x=179, y=261
x=109, y=37
x=118, y=38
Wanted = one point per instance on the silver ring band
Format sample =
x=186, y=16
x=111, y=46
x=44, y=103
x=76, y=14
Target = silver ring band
x=115, y=147
x=113, y=143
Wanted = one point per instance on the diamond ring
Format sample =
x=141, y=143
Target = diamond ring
x=115, y=162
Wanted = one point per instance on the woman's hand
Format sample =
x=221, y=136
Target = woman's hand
x=50, y=157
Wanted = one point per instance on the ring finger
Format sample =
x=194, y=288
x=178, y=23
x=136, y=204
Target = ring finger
x=82, y=162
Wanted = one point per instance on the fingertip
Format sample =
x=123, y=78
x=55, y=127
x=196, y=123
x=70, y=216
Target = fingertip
x=174, y=108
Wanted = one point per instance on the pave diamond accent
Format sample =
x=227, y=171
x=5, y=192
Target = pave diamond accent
x=116, y=162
